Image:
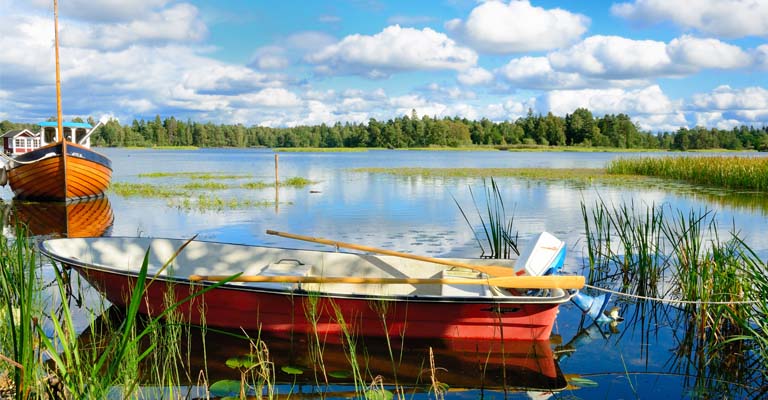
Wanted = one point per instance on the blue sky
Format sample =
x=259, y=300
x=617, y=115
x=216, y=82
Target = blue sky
x=666, y=63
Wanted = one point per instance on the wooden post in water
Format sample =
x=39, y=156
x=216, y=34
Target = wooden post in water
x=277, y=178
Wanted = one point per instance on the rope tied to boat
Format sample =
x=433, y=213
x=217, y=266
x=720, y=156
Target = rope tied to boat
x=671, y=301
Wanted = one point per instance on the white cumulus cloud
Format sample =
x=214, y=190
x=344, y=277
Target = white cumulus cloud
x=648, y=106
x=475, y=76
x=178, y=23
x=391, y=50
x=615, y=57
x=728, y=18
x=517, y=26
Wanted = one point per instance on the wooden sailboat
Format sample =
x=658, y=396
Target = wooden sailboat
x=61, y=171
x=87, y=218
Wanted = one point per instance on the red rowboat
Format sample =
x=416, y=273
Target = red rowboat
x=436, y=303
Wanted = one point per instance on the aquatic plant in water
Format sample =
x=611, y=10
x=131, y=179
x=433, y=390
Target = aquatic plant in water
x=500, y=236
x=750, y=173
x=669, y=258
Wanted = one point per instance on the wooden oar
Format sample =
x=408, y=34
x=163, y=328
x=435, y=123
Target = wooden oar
x=512, y=282
x=491, y=270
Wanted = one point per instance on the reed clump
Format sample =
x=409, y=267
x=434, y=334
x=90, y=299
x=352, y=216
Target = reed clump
x=498, y=229
x=669, y=258
x=742, y=173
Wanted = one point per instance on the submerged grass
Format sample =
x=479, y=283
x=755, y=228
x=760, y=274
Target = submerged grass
x=323, y=149
x=125, y=189
x=543, y=174
x=193, y=175
x=745, y=173
x=214, y=203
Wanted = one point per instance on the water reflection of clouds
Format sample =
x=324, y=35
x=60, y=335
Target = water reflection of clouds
x=415, y=214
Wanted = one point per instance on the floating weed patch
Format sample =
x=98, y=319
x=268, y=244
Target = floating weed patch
x=296, y=181
x=750, y=173
x=205, y=185
x=126, y=189
x=192, y=175
x=321, y=149
x=215, y=203
x=257, y=185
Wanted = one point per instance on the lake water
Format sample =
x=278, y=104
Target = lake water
x=419, y=215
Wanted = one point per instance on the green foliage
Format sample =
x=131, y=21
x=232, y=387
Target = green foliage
x=580, y=128
x=20, y=304
x=497, y=228
x=726, y=172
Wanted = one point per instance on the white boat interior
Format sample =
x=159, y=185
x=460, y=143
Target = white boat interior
x=125, y=255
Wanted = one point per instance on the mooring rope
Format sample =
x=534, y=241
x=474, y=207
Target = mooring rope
x=662, y=300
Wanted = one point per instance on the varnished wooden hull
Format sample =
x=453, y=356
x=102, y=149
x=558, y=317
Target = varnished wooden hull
x=75, y=219
x=88, y=174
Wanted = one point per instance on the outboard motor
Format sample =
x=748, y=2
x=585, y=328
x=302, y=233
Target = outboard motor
x=594, y=307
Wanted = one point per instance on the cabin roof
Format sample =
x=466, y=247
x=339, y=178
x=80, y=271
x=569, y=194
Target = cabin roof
x=17, y=132
x=67, y=124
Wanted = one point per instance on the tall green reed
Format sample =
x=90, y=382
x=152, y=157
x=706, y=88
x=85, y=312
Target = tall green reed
x=667, y=259
x=500, y=236
x=113, y=367
x=749, y=173
x=20, y=309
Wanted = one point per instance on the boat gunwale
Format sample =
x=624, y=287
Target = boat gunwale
x=83, y=266
x=91, y=155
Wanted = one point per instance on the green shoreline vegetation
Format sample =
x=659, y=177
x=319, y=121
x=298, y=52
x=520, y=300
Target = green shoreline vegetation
x=740, y=173
x=579, y=129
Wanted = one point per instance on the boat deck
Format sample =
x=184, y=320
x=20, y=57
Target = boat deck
x=209, y=258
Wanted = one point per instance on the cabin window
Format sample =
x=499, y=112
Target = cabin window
x=36, y=142
x=19, y=142
x=50, y=135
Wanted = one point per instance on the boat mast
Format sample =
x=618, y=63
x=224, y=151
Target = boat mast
x=59, y=118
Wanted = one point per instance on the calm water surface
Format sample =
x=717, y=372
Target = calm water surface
x=419, y=215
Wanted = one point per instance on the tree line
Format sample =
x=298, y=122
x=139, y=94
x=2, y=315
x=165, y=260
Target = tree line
x=579, y=128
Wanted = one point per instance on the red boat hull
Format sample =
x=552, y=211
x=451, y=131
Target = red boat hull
x=286, y=312
x=41, y=177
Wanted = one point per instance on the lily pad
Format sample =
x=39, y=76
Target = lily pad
x=291, y=370
x=379, y=395
x=340, y=374
x=582, y=382
x=225, y=387
x=240, y=362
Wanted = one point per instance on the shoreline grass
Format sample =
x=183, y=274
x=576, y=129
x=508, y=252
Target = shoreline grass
x=741, y=173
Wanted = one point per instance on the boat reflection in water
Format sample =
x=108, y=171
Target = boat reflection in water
x=86, y=218
x=416, y=367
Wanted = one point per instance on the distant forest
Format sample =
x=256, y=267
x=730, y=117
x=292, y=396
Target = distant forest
x=580, y=128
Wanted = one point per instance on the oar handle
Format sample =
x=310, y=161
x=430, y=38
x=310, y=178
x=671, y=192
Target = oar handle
x=492, y=270
x=512, y=282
